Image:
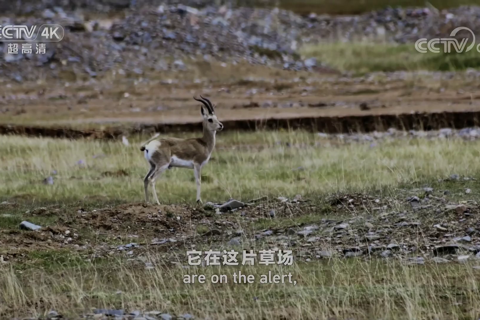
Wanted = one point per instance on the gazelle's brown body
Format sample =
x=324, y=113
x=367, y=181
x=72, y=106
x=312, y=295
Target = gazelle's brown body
x=167, y=153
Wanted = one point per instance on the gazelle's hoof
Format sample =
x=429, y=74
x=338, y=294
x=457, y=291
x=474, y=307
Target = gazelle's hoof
x=199, y=201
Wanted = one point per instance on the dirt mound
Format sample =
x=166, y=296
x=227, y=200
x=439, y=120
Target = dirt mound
x=130, y=218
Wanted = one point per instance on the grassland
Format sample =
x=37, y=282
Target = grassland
x=98, y=201
x=367, y=56
x=245, y=166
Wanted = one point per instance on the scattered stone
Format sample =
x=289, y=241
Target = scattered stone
x=29, y=226
x=449, y=249
x=341, y=226
x=231, y=205
x=304, y=232
x=468, y=191
x=439, y=227
x=416, y=260
x=109, y=312
x=235, y=241
x=325, y=254
x=463, y=259
x=393, y=246
x=466, y=239
x=165, y=316
x=272, y=213
x=310, y=63
x=440, y=260
x=353, y=254
x=460, y=209
x=48, y=180
x=386, y=253
x=428, y=190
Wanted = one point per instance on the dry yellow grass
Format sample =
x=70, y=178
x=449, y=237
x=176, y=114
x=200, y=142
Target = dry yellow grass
x=243, y=166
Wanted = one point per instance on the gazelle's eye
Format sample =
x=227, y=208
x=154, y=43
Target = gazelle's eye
x=210, y=120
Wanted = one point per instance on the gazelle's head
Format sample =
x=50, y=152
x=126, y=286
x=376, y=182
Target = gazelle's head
x=210, y=121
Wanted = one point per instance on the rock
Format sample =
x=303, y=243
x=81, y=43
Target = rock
x=179, y=64
x=440, y=260
x=48, y=180
x=325, y=254
x=428, y=190
x=353, y=254
x=272, y=213
x=212, y=232
x=364, y=106
x=108, y=312
x=165, y=316
x=372, y=237
x=416, y=260
x=230, y=205
x=470, y=231
x=341, y=226
x=393, y=246
x=449, y=249
x=467, y=191
x=48, y=14
x=439, y=227
x=310, y=63
x=186, y=316
x=369, y=225
x=267, y=233
x=235, y=241
x=118, y=36
x=460, y=209
x=29, y=226
x=386, y=253
x=463, y=259
x=304, y=232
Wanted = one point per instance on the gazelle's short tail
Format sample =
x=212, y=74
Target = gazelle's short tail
x=142, y=148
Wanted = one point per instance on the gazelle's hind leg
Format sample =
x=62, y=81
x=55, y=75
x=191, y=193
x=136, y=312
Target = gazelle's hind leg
x=146, y=180
x=154, y=176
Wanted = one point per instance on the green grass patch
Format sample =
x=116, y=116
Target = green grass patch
x=365, y=57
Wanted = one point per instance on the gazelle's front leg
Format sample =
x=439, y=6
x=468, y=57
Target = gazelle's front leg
x=198, y=180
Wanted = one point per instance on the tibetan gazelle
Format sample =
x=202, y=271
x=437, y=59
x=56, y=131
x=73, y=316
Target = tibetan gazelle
x=167, y=153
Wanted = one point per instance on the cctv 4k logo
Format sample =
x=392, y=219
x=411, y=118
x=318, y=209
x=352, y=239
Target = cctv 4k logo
x=447, y=45
x=24, y=33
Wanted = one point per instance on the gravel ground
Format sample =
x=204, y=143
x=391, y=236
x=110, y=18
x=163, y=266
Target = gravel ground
x=143, y=40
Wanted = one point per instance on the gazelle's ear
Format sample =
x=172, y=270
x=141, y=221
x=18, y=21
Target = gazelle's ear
x=202, y=111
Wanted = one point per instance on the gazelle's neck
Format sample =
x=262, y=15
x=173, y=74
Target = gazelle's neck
x=209, y=138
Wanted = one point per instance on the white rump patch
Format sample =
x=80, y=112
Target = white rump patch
x=180, y=163
x=150, y=148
